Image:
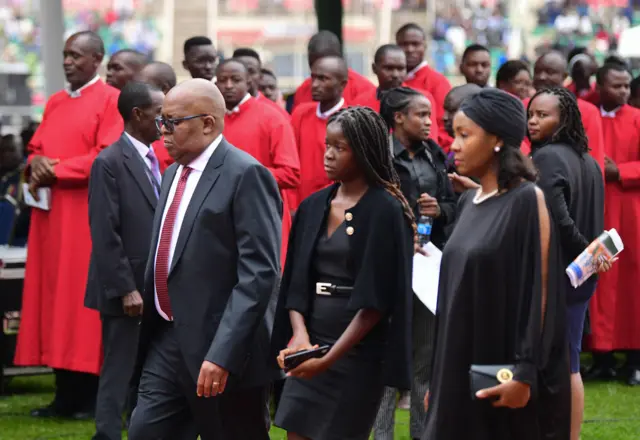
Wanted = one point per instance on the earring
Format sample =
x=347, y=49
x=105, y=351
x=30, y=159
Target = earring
x=496, y=149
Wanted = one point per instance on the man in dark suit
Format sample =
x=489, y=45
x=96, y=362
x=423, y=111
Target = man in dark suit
x=123, y=193
x=213, y=265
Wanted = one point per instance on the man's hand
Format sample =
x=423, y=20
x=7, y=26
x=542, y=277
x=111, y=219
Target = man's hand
x=132, y=304
x=42, y=170
x=611, y=171
x=512, y=394
x=212, y=380
x=429, y=206
x=426, y=401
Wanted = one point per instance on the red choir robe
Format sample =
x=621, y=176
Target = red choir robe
x=590, y=95
x=264, y=100
x=265, y=134
x=56, y=329
x=164, y=160
x=592, y=126
x=424, y=77
x=356, y=85
x=615, y=308
x=370, y=99
x=310, y=131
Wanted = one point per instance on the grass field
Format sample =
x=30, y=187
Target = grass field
x=612, y=413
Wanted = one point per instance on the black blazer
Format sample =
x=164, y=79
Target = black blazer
x=121, y=208
x=381, y=255
x=574, y=190
x=224, y=269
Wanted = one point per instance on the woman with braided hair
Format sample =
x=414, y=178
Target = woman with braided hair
x=572, y=182
x=500, y=367
x=421, y=167
x=347, y=284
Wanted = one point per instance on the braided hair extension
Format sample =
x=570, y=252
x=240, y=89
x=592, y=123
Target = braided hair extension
x=367, y=135
x=571, y=130
x=396, y=100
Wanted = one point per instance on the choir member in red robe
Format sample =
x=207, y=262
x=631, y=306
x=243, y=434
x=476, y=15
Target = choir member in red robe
x=162, y=76
x=550, y=70
x=582, y=67
x=412, y=39
x=309, y=120
x=390, y=66
x=514, y=77
x=200, y=58
x=268, y=85
x=324, y=44
x=56, y=329
x=475, y=65
x=260, y=131
x=615, y=308
x=251, y=59
x=123, y=66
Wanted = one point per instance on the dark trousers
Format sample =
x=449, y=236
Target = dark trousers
x=118, y=389
x=168, y=407
x=608, y=360
x=75, y=392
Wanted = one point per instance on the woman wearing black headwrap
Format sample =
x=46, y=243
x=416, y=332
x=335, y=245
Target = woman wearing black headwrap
x=498, y=301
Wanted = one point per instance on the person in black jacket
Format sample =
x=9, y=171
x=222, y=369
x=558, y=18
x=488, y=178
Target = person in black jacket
x=572, y=182
x=347, y=284
x=422, y=169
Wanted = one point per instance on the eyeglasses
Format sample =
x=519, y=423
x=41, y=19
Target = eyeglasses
x=170, y=124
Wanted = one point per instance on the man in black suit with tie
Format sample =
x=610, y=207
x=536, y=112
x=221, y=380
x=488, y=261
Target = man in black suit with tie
x=123, y=193
x=213, y=265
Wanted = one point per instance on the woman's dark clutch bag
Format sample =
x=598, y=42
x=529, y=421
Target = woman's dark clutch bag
x=488, y=376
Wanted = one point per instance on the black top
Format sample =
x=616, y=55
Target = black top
x=331, y=260
x=489, y=313
x=426, y=172
x=574, y=189
x=381, y=253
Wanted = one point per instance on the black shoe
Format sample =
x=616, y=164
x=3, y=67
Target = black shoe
x=48, y=412
x=598, y=372
x=83, y=415
x=634, y=378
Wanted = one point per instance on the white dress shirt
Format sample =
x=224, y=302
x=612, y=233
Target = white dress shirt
x=78, y=93
x=611, y=114
x=412, y=74
x=197, y=167
x=141, y=148
x=236, y=109
x=329, y=112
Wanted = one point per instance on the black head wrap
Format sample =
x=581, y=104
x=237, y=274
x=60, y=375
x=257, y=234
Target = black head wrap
x=499, y=114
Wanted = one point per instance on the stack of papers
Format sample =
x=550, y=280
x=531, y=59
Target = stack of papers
x=426, y=276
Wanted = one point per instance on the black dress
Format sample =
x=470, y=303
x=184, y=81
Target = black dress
x=489, y=312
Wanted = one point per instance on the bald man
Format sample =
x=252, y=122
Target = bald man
x=159, y=75
x=214, y=263
x=123, y=66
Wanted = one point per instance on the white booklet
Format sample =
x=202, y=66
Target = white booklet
x=426, y=276
x=44, y=194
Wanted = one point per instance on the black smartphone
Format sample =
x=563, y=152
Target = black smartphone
x=295, y=359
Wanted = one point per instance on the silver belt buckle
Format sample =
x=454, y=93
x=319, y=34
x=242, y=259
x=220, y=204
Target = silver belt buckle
x=321, y=288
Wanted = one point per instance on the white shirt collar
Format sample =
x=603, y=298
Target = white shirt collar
x=78, y=93
x=200, y=162
x=329, y=112
x=236, y=109
x=142, y=149
x=611, y=114
x=412, y=74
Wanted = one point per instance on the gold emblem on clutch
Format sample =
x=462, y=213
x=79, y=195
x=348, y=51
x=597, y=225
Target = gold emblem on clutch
x=505, y=375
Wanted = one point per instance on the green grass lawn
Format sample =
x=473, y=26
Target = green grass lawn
x=612, y=413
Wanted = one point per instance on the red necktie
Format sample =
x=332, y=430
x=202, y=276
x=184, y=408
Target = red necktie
x=164, y=247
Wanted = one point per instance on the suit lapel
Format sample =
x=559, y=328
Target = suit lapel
x=135, y=164
x=205, y=184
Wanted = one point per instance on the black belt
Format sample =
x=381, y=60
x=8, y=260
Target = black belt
x=331, y=289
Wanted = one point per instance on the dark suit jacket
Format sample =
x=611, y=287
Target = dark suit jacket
x=224, y=268
x=121, y=207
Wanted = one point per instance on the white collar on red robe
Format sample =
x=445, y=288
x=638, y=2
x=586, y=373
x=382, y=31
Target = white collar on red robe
x=611, y=114
x=412, y=74
x=329, y=112
x=77, y=93
x=236, y=109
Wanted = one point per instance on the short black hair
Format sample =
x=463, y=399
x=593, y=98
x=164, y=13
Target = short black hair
x=577, y=51
x=616, y=59
x=232, y=60
x=325, y=43
x=268, y=73
x=410, y=27
x=385, y=49
x=140, y=58
x=196, y=41
x=602, y=73
x=473, y=48
x=246, y=52
x=510, y=70
x=635, y=86
x=166, y=72
x=134, y=94
x=97, y=45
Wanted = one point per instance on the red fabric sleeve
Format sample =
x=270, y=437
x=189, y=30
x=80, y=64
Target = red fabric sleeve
x=76, y=170
x=593, y=128
x=284, y=153
x=629, y=174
